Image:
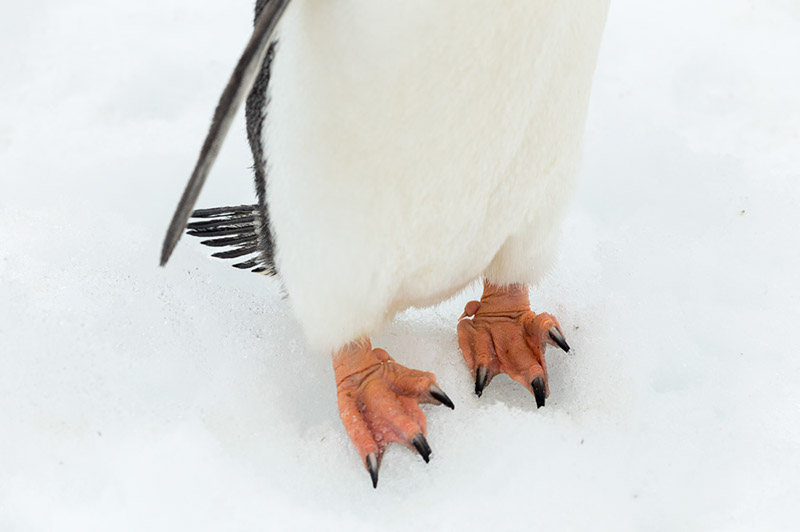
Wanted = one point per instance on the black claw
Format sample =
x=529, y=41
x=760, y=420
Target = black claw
x=480, y=380
x=558, y=338
x=422, y=446
x=372, y=467
x=539, y=391
x=440, y=396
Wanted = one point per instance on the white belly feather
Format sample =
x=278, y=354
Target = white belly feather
x=416, y=145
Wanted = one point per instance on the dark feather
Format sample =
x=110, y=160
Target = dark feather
x=224, y=211
x=236, y=253
x=222, y=223
x=249, y=68
x=247, y=226
x=207, y=233
x=247, y=265
x=235, y=227
x=235, y=241
x=255, y=113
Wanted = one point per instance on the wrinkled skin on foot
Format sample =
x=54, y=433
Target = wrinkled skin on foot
x=500, y=334
x=379, y=402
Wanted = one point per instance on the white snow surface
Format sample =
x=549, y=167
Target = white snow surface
x=139, y=398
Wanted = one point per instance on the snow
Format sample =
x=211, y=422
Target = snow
x=140, y=398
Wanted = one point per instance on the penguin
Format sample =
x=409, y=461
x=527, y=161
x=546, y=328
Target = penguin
x=402, y=151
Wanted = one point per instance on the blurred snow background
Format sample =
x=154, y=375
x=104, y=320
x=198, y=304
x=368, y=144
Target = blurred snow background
x=140, y=398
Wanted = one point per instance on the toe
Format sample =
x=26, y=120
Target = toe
x=539, y=391
x=419, y=385
x=477, y=347
x=357, y=426
x=481, y=379
x=393, y=417
x=466, y=335
x=420, y=443
x=411, y=382
x=558, y=338
x=372, y=465
x=439, y=395
x=410, y=407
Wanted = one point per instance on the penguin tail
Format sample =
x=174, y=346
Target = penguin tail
x=238, y=232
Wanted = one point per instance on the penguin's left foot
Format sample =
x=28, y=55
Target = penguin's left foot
x=500, y=334
x=379, y=402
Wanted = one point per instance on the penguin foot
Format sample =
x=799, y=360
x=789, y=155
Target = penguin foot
x=379, y=402
x=500, y=334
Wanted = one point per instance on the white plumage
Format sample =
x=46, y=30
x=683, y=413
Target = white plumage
x=414, y=146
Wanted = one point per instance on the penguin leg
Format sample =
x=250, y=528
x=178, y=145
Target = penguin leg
x=500, y=334
x=379, y=402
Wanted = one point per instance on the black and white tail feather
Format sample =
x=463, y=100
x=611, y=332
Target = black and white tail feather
x=244, y=229
x=239, y=230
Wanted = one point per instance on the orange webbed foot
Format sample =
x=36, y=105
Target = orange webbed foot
x=500, y=334
x=379, y=402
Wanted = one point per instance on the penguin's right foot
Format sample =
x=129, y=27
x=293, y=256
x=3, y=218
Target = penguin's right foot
x=379, y=402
